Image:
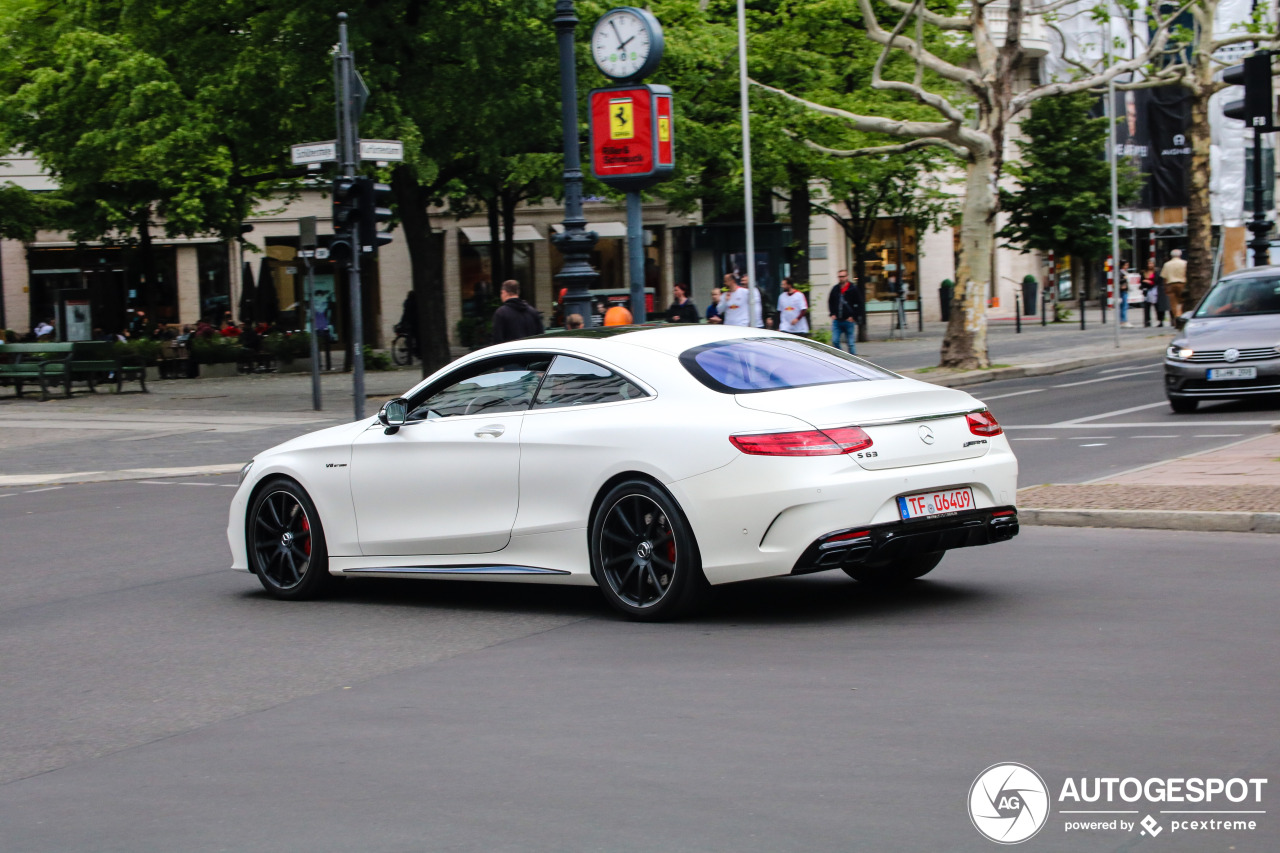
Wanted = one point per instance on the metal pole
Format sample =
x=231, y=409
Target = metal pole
x=307, y=242
x=1082, y=307
x=575, y=242
x=347, y=135
x=749, y=208
x=635, y=249
x=1017, y=312
x=1260, y=245
x=1115, y=204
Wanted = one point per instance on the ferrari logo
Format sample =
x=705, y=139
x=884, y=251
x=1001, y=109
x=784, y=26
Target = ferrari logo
x=621, y=125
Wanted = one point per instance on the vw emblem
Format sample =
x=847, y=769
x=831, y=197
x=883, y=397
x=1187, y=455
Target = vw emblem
x=644, y=550
x=926, y=435
x=1231, y=354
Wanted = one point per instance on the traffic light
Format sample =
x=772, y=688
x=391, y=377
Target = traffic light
x=1255, y=109
x=345, y=201
x=372, y=203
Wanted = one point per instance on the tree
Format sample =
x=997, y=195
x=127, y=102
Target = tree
x=1063, y=200
x=972, y=103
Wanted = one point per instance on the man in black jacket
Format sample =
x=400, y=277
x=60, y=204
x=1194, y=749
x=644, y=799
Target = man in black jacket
x=846, y=307
x=514, y=318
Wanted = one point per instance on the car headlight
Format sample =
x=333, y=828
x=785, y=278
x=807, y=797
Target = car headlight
x=244, y=472
x=1178, y=352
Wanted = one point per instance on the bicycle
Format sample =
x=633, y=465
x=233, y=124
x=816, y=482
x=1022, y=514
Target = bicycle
x=402, y=348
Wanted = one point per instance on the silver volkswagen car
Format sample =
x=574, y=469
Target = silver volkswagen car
x=1230, y=345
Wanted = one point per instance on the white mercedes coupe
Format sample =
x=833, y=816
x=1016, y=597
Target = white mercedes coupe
x=652, y=461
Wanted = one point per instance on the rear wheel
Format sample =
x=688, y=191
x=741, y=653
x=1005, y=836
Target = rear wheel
x=401, y=354
x=888, y=573
x=1183, y=405
x=286, y=543
x=643, y=554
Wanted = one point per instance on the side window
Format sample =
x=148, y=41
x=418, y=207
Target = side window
x=576, y=382
x=490, y=387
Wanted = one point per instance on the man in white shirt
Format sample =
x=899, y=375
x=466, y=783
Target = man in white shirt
x=740, y=303
x=793, y=310
x=44, y=327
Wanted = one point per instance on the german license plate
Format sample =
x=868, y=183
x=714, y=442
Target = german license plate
x=1233, y=373
x=940, y=502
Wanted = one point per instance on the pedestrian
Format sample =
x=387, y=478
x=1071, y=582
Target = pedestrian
x=682, y=309
x=1122, y=294
x=324, y=336
x=1173, y=276
x=1148, y=286
x=574, y=321
x=618, y=315
x=138, y=324
x=793, y=310
x=740, y=303
x=713, y=310
x=846, y=308
x=44, y=329
x=515, y=318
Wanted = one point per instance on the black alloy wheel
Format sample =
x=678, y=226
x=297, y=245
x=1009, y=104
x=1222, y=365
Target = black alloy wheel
x=891, y=573
x=286, y=543
x=643, y=554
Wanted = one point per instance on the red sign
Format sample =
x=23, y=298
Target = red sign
x=632, y=135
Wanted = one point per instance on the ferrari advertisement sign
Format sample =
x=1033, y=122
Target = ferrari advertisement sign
x=632, y=135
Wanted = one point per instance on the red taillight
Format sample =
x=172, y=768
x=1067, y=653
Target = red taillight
x=845, y=537
x=816, y=442
x=984, y=423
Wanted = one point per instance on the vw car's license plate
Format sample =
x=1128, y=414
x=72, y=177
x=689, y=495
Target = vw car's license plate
x=935, y=503
x=1233, y=373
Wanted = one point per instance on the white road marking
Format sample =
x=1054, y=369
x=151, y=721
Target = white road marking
x=1105, y=378
x=1116, y=369
x=1113, y=414
x=1155, y=436
x=1014, y=394
x=198, y=484
x=11, y=494
x=45, y=489
x=1088, y=437
x=1220, y=435
x=1100, y=444
x=1047, y=438
x=1138, y=425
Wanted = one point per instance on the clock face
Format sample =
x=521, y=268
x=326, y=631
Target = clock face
x=625, y=44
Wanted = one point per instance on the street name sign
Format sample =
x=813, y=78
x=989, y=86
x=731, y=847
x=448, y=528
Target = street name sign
x=314, y=152
x=381, y=149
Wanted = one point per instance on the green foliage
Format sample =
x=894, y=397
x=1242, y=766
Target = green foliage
x=473, y=332
x=1063, y=200
x=23, y=212
x=822, y=336
x=215, y=350
x=285, y=347
x=375, y=359
x=146, y=350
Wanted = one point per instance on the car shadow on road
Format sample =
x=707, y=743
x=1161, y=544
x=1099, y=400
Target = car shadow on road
x=814, y=599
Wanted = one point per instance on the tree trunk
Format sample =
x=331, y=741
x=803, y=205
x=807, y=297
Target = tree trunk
x=496, y=270
x=147, y=255
x=412, y=200
x=798, y=206
x=509, y=201
x=1199, y=212
x=965, y=345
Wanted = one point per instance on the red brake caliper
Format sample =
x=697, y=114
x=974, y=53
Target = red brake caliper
x=306, y=525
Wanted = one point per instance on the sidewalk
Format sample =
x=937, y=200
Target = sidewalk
x=1234, y=488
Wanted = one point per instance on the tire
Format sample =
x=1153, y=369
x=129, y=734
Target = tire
x=286, y=543
x=644, y=555
x=1183, y=405
x=891, y=573
x=400, y=352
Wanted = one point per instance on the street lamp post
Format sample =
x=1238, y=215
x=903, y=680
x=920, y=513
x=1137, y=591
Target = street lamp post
x=575, y=242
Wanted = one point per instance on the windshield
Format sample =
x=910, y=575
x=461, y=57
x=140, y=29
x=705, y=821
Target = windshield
x=770, y=364
x=1233, y=297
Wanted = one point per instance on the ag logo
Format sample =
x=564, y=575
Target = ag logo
x=1008, y=803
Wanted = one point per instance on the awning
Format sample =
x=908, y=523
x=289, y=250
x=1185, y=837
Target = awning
x=604, y=230
x=521, y=234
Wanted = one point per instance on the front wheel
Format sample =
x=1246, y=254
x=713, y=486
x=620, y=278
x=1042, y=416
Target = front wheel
x=889, y=573
x=401, y=353
x=286, y=543
x=1183, y=405
x=643, y=554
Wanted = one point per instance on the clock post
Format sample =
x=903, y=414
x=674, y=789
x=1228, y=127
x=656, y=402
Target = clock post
x=575, y=242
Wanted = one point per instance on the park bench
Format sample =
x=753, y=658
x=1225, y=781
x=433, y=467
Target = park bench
x=41, y=363
x=95, y=361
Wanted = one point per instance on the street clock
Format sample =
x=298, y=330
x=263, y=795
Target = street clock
x=627, y=43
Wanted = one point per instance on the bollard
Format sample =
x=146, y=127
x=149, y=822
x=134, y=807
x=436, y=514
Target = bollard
x=1043, y=317
x=1017, y=312
x=1082, y=309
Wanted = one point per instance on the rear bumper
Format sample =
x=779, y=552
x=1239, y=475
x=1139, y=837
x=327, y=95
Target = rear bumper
x=904, y=539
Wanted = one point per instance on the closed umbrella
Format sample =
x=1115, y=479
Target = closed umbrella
x=246, y=294
x=268, y=297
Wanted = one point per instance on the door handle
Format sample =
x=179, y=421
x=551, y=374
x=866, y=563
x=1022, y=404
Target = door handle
x=490, y=431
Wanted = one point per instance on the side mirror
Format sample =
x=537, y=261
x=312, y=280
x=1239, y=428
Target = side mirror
x=1180, y=321
x=393, y=415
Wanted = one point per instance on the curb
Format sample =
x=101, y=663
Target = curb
x=15, y=480
x=1047, y=368
x=1154, y=519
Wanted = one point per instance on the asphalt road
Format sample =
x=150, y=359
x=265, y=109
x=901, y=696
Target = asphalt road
x=153, y=700
x=1088, y=424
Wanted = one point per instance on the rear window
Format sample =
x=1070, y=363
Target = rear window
x=770, y=364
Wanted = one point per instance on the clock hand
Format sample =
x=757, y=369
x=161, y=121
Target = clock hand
x=613, y=23
x=624, y=44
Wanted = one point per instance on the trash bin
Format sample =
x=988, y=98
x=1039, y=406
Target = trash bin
x=945, y=292
x=1029, y=287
